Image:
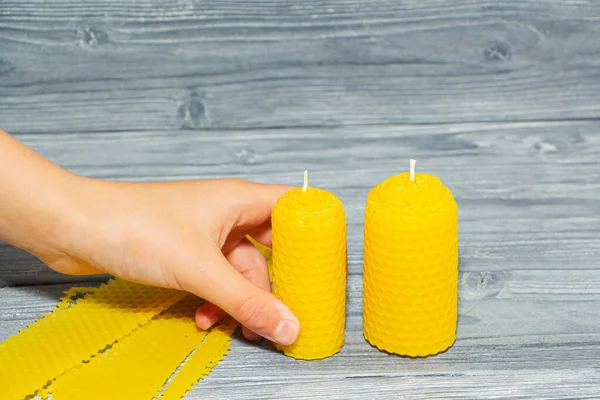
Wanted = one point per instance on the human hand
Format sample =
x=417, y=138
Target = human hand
x=187, y=235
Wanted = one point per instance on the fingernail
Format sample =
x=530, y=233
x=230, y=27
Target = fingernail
x=286, y=332
x=289, y=327
x=203, y=322
x=286, y=313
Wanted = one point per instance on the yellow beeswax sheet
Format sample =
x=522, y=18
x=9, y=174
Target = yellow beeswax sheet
x=201, y=361
x=66, y=301
x=137, y=366
x=43, y=393
x=71, y=334
x=68, y=295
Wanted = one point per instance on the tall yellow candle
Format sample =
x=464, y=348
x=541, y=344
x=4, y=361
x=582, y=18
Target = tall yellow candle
x=410, y=301
x=309, y=268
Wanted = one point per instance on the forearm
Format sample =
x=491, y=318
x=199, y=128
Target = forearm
x=34, y=194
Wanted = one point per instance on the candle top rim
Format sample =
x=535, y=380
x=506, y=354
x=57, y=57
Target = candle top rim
x=314, y=201
x=398, y=191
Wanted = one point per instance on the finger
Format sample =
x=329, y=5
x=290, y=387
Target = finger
x=253, y=205
x=253, y=307
x=263, y=233
x=251, y=336
x=257, y=202
x=207, y=315
x=249, y=261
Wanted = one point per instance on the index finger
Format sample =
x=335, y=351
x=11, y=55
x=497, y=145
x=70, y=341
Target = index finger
x=258, y=200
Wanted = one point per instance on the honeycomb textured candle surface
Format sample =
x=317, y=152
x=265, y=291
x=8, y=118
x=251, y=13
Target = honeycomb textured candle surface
x=69, y=335
x=137, y=366
x=309, y=269
x=410, y=299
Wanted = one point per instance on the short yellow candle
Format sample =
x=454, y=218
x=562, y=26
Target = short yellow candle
x=410, y=296
x=310, y=269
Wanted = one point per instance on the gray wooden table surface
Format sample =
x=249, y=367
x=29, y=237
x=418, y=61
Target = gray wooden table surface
x=499, y=99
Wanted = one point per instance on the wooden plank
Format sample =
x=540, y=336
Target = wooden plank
x=527, y=192
x=565, y=292
x=69, y=66
x=17, y=268
x=517, y=334
x=551, y=384
x=498, y=99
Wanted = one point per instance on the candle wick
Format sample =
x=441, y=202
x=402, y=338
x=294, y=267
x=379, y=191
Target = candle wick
x=412, y=169
x=305, y=186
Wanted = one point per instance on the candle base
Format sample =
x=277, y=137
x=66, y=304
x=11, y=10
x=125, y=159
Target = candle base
x=309, y=353
x=414, y=349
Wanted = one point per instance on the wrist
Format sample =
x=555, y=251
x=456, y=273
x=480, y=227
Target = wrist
x=88, y=219
x=50, y=216
x=43, y=208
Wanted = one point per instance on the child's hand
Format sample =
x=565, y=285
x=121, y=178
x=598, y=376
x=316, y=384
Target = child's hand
x=182, y=235
x=187, y=235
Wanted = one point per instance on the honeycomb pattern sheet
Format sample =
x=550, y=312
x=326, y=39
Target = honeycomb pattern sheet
x=119, y=341
x=72, y=334
x=137, y=366
x=208, y=354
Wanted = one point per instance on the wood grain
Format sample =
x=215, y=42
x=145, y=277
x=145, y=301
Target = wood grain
x=518, y=333
x=73, y=67
x=499, y=99
x=527, y=192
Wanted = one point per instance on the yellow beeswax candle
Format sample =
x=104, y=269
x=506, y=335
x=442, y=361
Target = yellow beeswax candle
x=410, y=301
x=309, y=268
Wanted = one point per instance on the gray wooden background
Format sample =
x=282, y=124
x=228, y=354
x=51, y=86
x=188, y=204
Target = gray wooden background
x=499, y=99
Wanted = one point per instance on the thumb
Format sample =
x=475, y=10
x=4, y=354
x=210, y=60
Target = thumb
x=255, y=308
